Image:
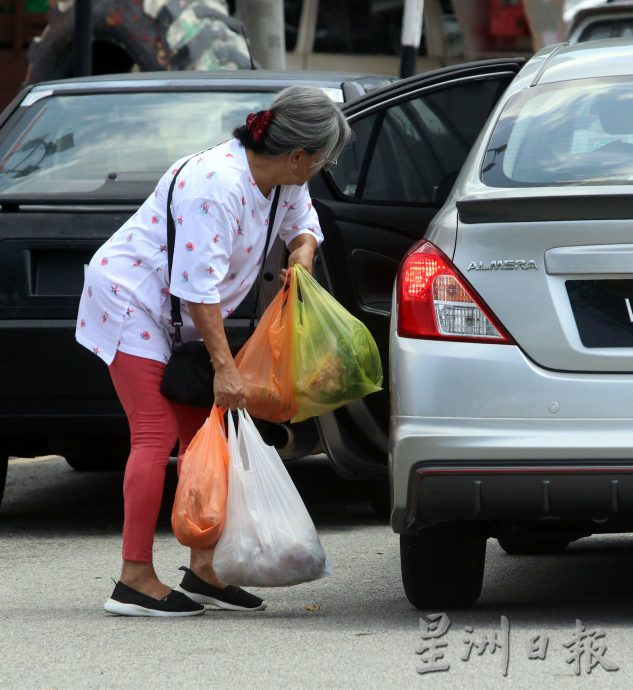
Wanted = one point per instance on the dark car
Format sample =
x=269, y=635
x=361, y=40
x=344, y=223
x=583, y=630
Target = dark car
x=77, y=157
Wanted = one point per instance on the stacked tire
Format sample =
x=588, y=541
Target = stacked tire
x=197, y=35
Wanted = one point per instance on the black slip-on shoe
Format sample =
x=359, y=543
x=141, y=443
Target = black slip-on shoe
x=126, y=601
x=231, y=598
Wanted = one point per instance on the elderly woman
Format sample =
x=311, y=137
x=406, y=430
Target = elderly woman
x=221, y=205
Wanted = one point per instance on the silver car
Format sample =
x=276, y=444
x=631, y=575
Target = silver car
x=511, y=350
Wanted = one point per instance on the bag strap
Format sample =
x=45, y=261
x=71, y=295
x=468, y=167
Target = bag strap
x=260, y=276
x=176, y=316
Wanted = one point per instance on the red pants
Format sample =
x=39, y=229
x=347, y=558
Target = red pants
x=155, y=425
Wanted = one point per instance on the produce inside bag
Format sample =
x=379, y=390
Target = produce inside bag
x=269, y=539
x=264, y=361
x=334, y=357
x=199, y=508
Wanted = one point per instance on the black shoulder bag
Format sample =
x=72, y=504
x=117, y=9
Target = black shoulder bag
x=188, y=377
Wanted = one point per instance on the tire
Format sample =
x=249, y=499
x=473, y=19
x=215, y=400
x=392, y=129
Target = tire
x=524, y=542
x=94, y=454
x=124, y=39
x=127, y=39
x=86, y=463
x=443, y=566
x=4, y=464
x=379, y=497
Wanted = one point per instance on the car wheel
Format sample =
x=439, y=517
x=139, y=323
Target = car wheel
x=379, y=497
x=99, y=454
x=86, y=463
x=4, y=464
x=443, y=566
x=527, y=543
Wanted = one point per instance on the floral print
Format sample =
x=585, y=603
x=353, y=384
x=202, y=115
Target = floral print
x=221, y=222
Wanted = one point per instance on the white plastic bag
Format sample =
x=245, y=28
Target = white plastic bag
x=269, y=539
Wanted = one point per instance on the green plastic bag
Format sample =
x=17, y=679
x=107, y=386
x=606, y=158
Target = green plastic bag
x=334, y=357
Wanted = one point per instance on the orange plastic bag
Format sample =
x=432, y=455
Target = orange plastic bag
x=265, y=360
x=199, y=511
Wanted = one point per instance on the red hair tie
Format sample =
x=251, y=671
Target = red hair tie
x=257, y=124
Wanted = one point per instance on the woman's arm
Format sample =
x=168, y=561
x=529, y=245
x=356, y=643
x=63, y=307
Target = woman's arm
x=300, y=229
x=228, y=387
x=302, y=250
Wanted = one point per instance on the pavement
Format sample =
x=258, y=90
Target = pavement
x=59, y=556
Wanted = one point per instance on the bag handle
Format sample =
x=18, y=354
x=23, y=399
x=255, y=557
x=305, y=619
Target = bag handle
x=235, y=456
x=242, y=431
x=176, y=316
x=219, y=413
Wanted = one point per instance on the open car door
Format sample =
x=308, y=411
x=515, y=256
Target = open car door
x=410, y=141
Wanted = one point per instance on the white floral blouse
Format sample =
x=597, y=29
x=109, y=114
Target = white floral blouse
x=221, y=223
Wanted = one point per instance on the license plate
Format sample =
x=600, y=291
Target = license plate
x=603, y=310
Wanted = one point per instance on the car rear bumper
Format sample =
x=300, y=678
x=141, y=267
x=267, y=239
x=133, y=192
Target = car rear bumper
x=509, y=469
x=462, y=408
x=597, y=493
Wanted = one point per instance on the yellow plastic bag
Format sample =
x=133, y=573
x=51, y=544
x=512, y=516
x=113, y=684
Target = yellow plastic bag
x=334, y=357
x=199, y=511
x=265, y=360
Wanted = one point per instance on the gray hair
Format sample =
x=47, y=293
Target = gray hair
x=305, y=117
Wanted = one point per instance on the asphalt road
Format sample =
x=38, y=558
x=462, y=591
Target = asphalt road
x=59, y=550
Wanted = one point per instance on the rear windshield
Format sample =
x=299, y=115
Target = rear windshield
x=75, y=143
x=607, y=29
x=578, y=132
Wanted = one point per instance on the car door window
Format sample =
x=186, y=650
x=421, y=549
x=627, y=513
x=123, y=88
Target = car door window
x=413, y=150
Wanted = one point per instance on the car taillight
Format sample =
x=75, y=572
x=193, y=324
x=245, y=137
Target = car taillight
x=435, y=301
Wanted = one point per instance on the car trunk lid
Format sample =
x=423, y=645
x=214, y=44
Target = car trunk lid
x=556, y=269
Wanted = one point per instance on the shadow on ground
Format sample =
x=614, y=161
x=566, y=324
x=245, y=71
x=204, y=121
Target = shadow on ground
x=591, y=579
x=49, y=495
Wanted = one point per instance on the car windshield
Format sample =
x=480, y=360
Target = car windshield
x=579, y=132
x=607, y=29
x=73, y=144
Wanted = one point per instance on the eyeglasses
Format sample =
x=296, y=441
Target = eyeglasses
x=324, y=164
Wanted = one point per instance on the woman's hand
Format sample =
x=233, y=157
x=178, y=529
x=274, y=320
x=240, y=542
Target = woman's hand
x=228, y=388
x=302, y=250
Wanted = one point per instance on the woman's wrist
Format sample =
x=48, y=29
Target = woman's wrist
x=302, y=250
x=224, y=365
